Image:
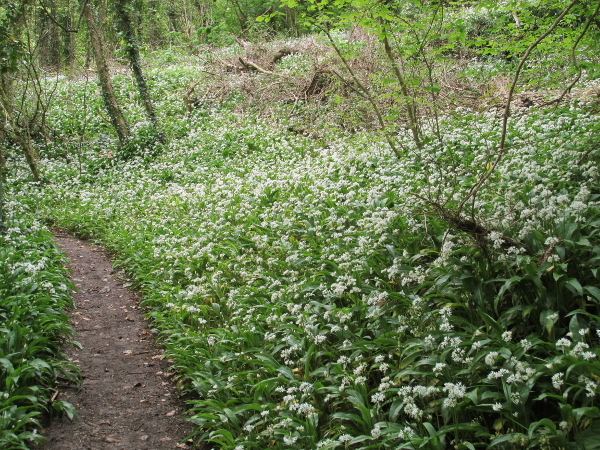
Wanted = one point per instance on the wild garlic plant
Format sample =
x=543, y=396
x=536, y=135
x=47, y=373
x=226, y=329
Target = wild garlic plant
x=310, y=298
x=34, y=291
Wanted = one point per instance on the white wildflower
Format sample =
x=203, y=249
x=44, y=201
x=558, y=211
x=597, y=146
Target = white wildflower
x=490, y=358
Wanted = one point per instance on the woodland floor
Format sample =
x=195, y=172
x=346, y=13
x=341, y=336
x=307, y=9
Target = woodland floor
x=127, y=400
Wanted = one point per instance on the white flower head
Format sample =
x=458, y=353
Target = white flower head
x=345, y=438
x=526, y=344
x=490, y=358
x=438, y=368
x=557, y=380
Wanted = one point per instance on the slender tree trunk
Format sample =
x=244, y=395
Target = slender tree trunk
x=68, y=41
x=125, y=26
x=411, y=108
x=30, y=157
x=2, y=169
x=49, y=48
x=110, y=101
x=203, y=13
x=173, y=17
x=22, y=138
x=17, y=134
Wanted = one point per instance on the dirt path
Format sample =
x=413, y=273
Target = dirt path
x=126, y=401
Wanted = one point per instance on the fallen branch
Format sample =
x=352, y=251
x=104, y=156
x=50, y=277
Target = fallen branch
x=249, y=65
x=476, y=230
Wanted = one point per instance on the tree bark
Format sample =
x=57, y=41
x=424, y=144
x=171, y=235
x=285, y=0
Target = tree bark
x=411, y=108
x=110, y=101
x=68, y=41
x=125, y=26
x=49, y=48
x=22, y=138
x=2, y=169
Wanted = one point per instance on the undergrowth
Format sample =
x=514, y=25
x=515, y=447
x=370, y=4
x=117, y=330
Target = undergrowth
x=315, y=292
x=34, y=292
x=310, y=299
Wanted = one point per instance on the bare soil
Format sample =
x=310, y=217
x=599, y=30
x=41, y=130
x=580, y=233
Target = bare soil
x=127, y=400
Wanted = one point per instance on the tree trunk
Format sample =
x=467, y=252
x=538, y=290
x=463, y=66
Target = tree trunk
x=110, y=101
x=203, y=14
x=125, y=26
x=2, y=169
x=68, y=41
x=9, y=128
x=21, y=138
x=411, y=107
x=30, y=156
x=49, y=40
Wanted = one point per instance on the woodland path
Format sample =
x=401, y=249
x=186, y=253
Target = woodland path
x=126, y=400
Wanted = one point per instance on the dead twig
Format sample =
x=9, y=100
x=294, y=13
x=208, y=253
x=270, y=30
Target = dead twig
x=544, y=257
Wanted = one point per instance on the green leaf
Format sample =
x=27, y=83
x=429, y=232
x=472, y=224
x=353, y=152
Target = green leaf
x=566, y=229
x=593, y=291
x=501, y=439
x=7, y=366
x=39, y=364
x=395, y=410
x=348, y=416
x=495, y=326
x=430, y=429
x=507, y=285
x=286, y=371
x=435, y=88
x=589, y=411
x=588, y=439
x=66, y=408
x=574, y=286
x=548, y=318
x=541, y=423
x=307, y=361
x=575, y=324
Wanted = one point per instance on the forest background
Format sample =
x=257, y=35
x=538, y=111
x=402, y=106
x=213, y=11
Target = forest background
x=356, y=224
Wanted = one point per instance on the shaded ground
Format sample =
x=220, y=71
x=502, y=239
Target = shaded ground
x=126, y=400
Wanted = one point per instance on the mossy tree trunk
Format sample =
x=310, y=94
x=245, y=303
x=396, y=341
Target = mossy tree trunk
x=2, y=170
x=123, y=10
x=110, y=100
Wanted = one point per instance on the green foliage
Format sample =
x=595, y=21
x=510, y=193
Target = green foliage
x=308, y=299
x=33, y=294
x=11, y=47
x=145, y=142
x=417, y=39
x=316, y=293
